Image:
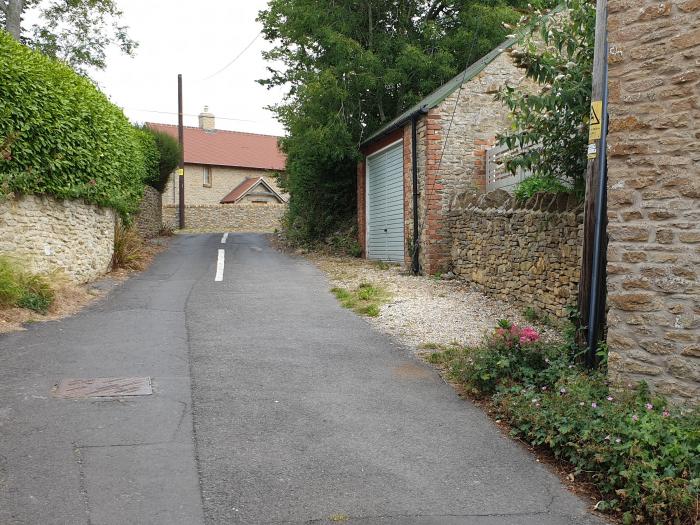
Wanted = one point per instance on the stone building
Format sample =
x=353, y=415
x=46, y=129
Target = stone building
x=219, y=164
x=654, y=195
x=454, y=126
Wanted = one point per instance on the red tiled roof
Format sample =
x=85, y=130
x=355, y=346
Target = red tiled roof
x=228, y=148
x=244, y=187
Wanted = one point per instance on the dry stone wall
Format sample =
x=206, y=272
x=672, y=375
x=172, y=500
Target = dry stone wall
x=149, y=220
x=654, y=196
x=47, y=235
x=528, y=255
x=264, y=218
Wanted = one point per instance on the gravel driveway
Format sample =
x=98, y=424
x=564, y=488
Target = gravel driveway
x=422, y=310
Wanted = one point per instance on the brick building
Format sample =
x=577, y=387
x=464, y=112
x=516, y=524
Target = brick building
x=226, y=170
x=654, y=195
x=454, y=126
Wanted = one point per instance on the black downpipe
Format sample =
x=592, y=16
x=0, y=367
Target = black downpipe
x=415, y=267
x=594, y=307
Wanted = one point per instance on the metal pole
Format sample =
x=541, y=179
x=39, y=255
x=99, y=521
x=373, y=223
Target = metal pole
x=181, y=170
x=598, y=154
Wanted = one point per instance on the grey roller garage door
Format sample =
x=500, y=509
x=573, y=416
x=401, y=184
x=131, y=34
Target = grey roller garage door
x=385, y=217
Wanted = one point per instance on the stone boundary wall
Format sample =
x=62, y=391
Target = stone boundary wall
x=654, y=196
x=47, y=234
x=263, y=218
x=526, y=254
x=149, y=219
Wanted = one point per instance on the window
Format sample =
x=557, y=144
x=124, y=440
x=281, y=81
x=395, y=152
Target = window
x=206, y=177
x=259, y=202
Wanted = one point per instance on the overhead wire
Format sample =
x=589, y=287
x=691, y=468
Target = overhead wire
x=233, y=61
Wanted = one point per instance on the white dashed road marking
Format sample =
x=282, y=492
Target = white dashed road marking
x=224, y=238
x=220, y=266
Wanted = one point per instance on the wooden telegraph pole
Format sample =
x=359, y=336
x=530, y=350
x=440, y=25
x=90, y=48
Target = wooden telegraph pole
x=593, y=277
x=181, y=167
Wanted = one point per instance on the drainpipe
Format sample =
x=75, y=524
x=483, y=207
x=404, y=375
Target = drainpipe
x=415, y=266
x=594, y=307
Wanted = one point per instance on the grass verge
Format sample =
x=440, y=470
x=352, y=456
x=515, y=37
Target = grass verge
x=366, y=299
x=641, y=454
x=23, y=289
x=128, y=249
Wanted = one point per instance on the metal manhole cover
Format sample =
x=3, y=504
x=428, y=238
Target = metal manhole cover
x=103, y=387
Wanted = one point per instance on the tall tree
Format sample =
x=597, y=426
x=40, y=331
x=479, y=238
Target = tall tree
x=78, y=32
x=349, y=67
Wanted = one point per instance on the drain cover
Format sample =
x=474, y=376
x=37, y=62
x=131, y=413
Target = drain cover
x=104, y=387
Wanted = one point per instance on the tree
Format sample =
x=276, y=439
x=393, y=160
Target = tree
x=351, y=66
x=550, y=130
x=78, y=32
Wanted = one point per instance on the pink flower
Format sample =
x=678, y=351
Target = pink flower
x=610, y=398
x=666, y=413
x=544, y=388
x=594, y=405
x=537, y=405
x=649, y=406
x=529, y=335
x=635, y=417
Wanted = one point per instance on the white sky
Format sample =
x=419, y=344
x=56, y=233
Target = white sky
x=195, y=39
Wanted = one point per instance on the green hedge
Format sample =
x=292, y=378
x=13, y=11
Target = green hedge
x=60, y=136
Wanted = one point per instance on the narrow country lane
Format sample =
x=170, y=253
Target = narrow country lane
x=271, y=404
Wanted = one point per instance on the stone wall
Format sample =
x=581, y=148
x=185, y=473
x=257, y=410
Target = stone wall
x=47, y=235
x=228, y=217
x=654, y=195
x=149, y=219
x=528, y=255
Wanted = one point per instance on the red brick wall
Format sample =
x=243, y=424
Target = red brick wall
x=479, y=174
x=435, y=233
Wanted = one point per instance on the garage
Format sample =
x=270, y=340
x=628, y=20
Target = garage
x=385, y=213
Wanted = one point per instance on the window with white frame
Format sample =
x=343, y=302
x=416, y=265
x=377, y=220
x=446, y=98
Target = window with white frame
x=206, y=177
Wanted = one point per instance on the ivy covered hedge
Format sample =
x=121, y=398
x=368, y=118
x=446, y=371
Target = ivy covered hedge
x=60, y=136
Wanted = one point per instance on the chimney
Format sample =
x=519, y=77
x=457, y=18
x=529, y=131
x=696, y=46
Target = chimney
x=206, y=120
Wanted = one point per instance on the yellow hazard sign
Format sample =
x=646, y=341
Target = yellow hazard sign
x=181, y=172
x=595, y=126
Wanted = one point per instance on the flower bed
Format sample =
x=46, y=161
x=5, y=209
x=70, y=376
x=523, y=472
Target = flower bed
x=642, y=454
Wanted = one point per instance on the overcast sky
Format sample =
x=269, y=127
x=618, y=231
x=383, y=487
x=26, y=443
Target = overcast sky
x=196, y=39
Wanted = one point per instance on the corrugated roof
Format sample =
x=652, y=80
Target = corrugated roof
x=228, y=148
x=444, y=91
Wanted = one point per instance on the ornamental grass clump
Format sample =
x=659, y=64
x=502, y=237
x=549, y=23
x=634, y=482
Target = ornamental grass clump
x=642, y=454
x=23, y=289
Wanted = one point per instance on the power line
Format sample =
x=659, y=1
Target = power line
x=190, y=115
x=239, y=55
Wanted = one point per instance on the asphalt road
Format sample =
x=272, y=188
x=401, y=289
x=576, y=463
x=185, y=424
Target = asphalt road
x=271, y=404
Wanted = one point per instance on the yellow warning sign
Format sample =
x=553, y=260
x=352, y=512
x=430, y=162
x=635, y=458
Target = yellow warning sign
x=181, y=172
x=595, y=126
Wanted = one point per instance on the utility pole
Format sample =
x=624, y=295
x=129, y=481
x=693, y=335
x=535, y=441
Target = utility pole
x=592, y=283
x=181, y=168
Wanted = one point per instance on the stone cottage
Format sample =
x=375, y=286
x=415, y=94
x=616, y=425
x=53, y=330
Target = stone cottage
x=229, y=179
x=425, y=157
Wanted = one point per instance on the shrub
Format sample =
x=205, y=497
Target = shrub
x=23, y=289
x=541, y=184
x=128, y=248
x=643, y=455
x=60, y=136
x=169, y=155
